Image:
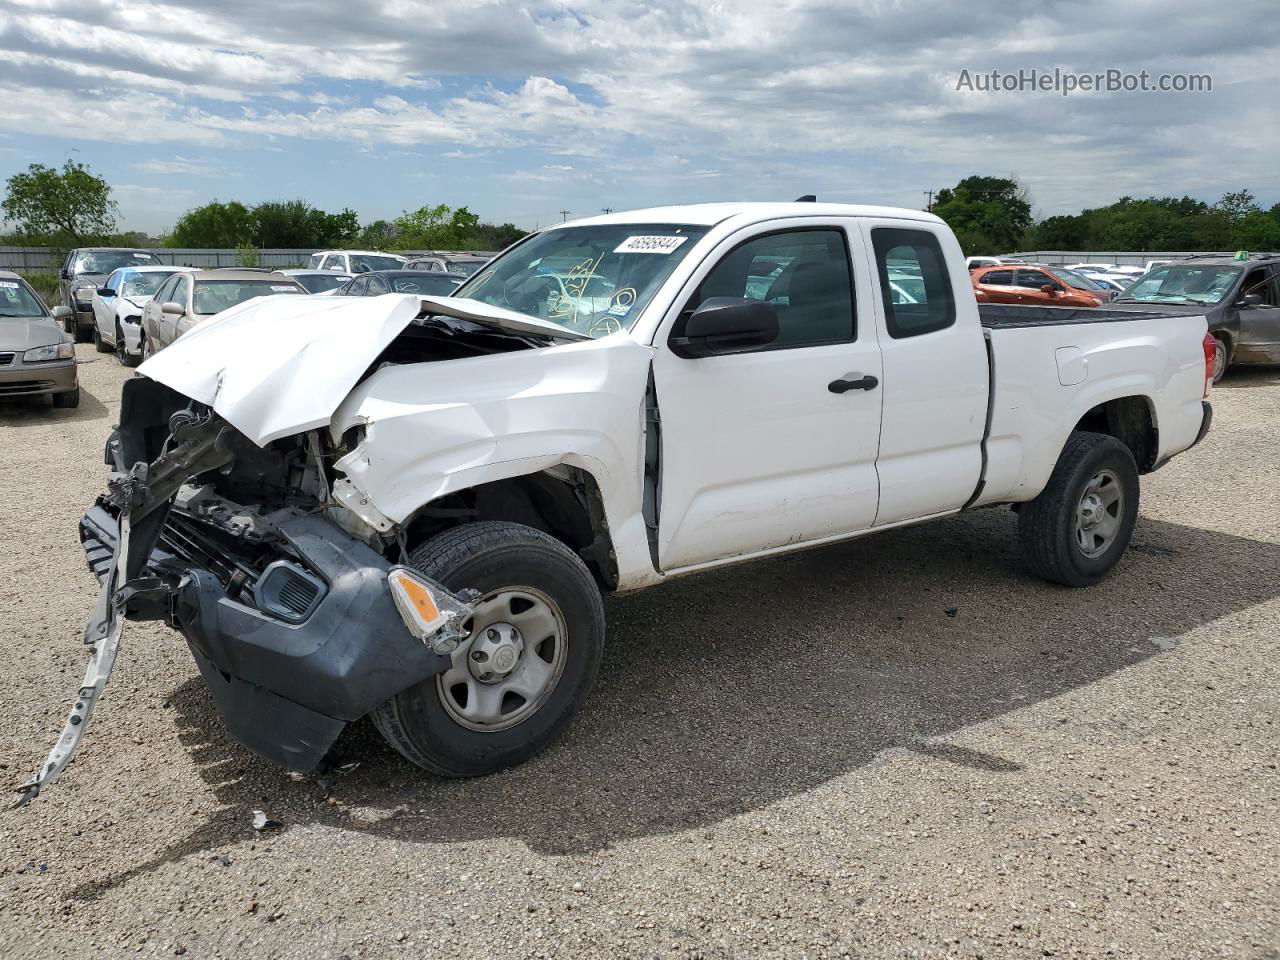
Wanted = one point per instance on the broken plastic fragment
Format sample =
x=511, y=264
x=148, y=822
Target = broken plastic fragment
x=262, y=822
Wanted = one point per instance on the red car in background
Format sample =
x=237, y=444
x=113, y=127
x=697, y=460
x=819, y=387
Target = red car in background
x=1036, y=284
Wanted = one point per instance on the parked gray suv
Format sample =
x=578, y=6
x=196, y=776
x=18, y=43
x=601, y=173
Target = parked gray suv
x=84, y=271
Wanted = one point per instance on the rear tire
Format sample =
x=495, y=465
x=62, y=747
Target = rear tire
x=99, y=344
x=496, y=558
x=1079, y=526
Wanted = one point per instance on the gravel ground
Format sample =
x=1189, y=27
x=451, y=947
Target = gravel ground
x=902, y=746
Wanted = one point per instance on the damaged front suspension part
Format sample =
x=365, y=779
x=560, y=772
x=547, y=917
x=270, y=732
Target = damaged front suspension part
x=198, y=443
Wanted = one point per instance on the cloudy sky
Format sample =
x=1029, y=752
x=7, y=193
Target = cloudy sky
x=523, y=109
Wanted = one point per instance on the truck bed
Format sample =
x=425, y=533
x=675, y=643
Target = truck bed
x=1004, y=315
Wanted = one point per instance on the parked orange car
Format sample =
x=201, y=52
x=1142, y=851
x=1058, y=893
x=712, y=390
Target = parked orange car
x=1035, y=284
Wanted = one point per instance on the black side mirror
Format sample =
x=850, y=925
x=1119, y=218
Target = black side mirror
x=106, y=292
x=724, y=325
x=1250, y=300
x=64, y=273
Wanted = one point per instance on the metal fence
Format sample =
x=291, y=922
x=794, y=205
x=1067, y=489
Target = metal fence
x=46, y=260
x=1120, y=258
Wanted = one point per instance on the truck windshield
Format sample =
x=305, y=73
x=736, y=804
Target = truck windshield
x=1183, y=285
x=592, y=279
x=105, y=261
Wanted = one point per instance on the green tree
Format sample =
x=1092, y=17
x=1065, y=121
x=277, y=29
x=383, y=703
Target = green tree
x=378, y=235
x=988, y=214
x=295, y=223
x=64, y=208
x=214, y=225
x=436, y=228
x=489, y=236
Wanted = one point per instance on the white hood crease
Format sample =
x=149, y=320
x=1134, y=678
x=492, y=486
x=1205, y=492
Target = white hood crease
x=277, y=366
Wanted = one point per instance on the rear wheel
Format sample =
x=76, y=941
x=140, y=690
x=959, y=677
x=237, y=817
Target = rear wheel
x=1079, y=526
x=98, y=343
x=531, y=655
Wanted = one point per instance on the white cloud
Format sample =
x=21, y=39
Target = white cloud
x=856, y=98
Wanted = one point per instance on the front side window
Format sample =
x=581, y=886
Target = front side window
x=805, y=274
x=377, y=286
x=593, y=279
x=182, y=292
x=214, y=296
x=997, y=278
x=903, y=252
x=1034, y=280
x=1260, y=283
x=113, y=282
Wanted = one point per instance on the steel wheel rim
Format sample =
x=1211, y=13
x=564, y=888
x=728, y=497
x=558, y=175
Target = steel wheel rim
x=1099, y=514
x=1219, y=359
x=519, y=619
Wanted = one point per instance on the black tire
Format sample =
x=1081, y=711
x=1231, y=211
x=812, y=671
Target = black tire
x=126, y=358
x=99, y=344
x=147, y=352
x=67, y=401
x=1047, y=524
x=1221, y=356
x=490, y=556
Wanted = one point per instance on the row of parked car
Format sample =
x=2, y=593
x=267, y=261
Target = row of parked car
x=1239, y=295
x=128, y=302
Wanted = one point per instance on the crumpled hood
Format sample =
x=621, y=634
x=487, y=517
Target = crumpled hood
x=23, y=333
x=276, y=366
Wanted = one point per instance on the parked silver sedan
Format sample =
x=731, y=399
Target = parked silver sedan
x=188, y=299
x=36, y=357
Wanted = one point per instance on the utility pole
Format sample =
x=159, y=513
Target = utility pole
x=564, y=215
x=929, y=194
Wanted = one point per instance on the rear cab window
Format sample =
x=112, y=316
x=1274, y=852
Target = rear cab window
x=910, y=255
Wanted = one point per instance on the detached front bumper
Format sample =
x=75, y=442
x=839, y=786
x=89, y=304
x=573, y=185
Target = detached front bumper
x=288, y=678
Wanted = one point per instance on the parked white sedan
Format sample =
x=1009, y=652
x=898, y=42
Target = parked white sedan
x=117, y=309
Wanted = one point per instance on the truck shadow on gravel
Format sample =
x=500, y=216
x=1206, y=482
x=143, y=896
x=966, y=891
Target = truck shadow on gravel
x=726, y=692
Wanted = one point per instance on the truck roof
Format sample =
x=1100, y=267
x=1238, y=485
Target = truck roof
x=709, y=214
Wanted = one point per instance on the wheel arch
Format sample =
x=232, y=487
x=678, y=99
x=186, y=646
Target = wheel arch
x=563, y=500
x=1130, y=419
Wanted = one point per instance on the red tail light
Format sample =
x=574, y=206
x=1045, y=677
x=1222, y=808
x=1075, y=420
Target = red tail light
x=1210, y=351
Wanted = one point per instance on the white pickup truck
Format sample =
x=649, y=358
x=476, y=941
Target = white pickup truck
x=412, y=507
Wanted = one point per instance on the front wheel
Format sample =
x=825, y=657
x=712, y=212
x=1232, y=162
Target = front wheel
x=1079, y=526
x=532, y=651
x=1221, y=357
x=98, y=343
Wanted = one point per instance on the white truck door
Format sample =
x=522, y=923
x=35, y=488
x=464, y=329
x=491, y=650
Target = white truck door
x=936, y=388
x=772, y=447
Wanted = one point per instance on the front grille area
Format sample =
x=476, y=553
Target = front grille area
x=24, y=386
x=6, y=359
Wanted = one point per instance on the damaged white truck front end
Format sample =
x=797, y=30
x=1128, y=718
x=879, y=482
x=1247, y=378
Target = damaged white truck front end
x=262, y=500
